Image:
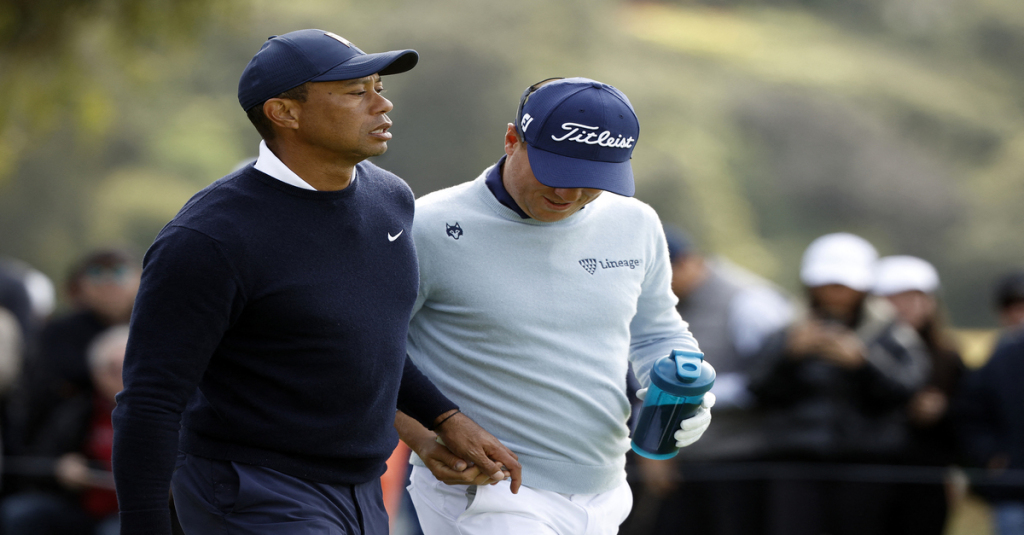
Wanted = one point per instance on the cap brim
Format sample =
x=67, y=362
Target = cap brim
x=383, y=63
x=557, y=171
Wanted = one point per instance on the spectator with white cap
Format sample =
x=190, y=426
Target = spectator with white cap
x=911, y=285
x=833, y=387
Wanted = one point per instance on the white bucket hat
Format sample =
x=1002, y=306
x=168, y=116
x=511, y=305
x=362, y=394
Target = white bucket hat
x=902, y=273
x=839, y=258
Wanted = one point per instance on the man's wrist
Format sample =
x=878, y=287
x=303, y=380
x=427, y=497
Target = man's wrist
x=444, y=417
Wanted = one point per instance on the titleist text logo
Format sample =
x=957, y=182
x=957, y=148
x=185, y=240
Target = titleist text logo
x=581, y=133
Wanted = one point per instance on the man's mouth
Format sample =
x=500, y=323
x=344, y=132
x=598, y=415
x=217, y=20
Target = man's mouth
x=558, y=205
x=382, y=132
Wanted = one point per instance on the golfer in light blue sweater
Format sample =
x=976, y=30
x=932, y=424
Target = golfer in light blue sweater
x=537, y=290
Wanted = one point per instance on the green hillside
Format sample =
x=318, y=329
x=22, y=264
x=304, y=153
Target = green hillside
x=763, y=123
x=907, y=134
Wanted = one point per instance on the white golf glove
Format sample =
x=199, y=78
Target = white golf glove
x=693, y=427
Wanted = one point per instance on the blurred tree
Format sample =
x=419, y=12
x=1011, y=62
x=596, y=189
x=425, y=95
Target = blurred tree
x=764, y=122
x=70, y=71
x=62, y=58
x=901, y=122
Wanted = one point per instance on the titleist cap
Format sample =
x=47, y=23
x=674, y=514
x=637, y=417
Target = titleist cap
x=581, y=134
x=290, y=60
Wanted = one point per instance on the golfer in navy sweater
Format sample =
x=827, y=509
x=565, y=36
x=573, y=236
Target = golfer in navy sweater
x=267, y=350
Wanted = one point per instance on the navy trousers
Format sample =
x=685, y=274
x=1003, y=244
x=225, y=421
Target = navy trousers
x=227, y=498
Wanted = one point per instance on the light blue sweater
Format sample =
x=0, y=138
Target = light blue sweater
x=528, y=326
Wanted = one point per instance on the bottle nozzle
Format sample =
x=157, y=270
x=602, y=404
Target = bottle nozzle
x=687, y=365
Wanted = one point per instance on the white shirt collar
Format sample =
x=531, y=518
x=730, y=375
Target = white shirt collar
x=269, y=163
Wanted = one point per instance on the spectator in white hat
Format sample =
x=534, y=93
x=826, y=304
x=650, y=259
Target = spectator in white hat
x=911, y=284
x=833, y=387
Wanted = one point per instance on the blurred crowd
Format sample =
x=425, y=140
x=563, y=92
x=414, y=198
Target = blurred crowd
x=845, y=410
x=58, y=378
x=842, y=410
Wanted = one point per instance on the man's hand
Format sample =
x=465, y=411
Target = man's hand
x=803, y=339
x=447, y=467
x=471, y=442
x=927, y=406
x=72, y=471
x=442, y=463
x=842, y=348
x=836, y=344
x=693, y=427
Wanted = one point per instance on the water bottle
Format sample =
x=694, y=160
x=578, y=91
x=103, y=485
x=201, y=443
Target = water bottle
x=678, y=384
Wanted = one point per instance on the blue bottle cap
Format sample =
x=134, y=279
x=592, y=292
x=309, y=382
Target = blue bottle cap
x=683, y=374
x=688, y=366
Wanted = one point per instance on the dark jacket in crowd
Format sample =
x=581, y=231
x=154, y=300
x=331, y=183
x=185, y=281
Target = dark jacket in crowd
x=935, y=443
x=990, y=416
x=817, y=410
x=56, y=375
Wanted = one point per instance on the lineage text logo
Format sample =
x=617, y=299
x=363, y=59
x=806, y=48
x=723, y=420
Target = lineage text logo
x=591, y=264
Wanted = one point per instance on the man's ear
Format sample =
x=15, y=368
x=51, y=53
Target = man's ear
x=283, y=112
x=511, y=139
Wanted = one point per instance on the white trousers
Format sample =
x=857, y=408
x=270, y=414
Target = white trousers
x=493, y=510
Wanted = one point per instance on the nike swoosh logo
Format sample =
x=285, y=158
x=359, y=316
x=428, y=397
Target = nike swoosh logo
x=395, y=237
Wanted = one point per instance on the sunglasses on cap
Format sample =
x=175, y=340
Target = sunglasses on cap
x=526, y=96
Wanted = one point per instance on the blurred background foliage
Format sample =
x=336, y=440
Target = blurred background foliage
x=764, y=123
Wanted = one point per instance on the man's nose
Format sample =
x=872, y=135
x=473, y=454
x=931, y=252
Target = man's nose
x=384, y=105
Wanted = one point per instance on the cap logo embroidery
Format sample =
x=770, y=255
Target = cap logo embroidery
x=527, y=119
x=581, y=133
x=339, y=38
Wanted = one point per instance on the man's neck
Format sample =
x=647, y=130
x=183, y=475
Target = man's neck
x=495, y=183
x=318, y=169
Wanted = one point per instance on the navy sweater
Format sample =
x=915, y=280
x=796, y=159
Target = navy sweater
x=271, y=325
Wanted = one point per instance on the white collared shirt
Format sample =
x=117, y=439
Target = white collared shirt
x=269, y=163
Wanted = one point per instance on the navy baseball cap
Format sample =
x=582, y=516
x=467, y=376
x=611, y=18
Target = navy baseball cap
x=581, y=134
x=290, y=60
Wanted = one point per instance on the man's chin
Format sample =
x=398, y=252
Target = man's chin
x=552, y=217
